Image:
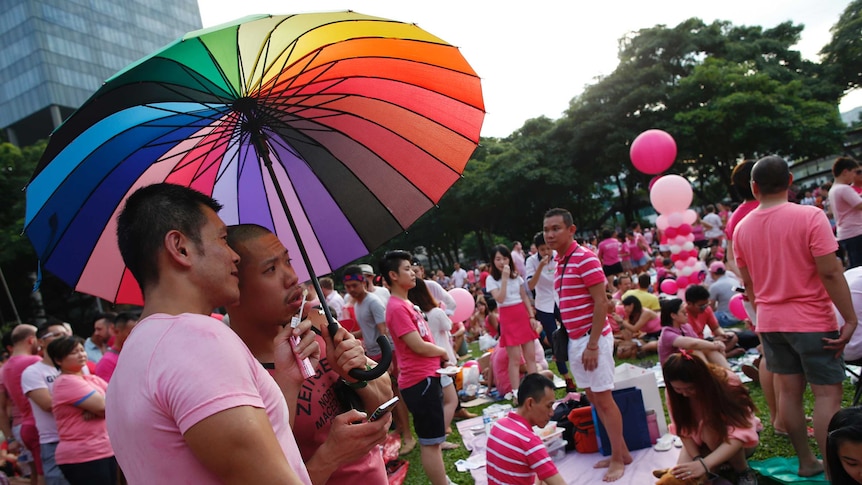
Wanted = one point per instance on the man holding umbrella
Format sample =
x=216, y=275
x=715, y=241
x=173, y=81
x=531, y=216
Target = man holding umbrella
x=336, y=442
x=187, y=394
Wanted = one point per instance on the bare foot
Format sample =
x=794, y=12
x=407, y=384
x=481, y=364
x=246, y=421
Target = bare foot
x=810, y=470
x=615, y=468
x=407, y=446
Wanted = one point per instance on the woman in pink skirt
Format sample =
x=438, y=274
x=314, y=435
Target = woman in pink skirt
x=517, y=317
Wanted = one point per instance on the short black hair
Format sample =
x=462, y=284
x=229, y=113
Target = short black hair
x=558, y=211
x=845, y=426
x=533, y=386
x=771, y=174
x=353, y=269
x=696, y=293
x=741, y=179
x=150, y=213
x=843, y=163
x=391, y=261
x=59, y=348
x=539, y=238
x=644, y=281
x=123, y=319
x=43, y=329
x=111, y=317
x=240, y=233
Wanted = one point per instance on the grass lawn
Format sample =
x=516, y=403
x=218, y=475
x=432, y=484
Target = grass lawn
x=770, y=443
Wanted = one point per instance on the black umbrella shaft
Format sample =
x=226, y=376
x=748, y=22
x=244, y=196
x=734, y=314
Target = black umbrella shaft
x=364, y=375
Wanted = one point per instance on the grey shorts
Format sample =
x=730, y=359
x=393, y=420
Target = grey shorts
x=803, y=353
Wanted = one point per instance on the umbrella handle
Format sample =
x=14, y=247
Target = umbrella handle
x=382, y=365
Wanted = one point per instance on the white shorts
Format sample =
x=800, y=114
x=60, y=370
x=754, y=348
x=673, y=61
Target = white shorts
x=446, y=381
x=602, y=377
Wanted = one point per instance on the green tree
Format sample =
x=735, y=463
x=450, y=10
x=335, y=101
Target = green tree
x=842, y=56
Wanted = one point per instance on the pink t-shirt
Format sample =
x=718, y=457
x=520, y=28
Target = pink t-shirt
x=848, y=219
x=778, y=246
x=583, y=270
x=635, y=252
x=12, y=370
x=515, y=454
x=316, y=407
x=107, y=364
x=174, y=371
x=402, y=319
x=705, y=318
x=668, y=336
x=609, y=251
x=81, y=440
x=738, y=215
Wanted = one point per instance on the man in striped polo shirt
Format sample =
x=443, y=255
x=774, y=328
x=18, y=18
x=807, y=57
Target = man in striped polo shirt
x=580, y=285
x=515, y=454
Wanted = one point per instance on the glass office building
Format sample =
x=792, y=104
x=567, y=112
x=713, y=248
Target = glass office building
x=56, y=53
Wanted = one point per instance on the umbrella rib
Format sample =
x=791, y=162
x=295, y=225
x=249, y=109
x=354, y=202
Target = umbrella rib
x=219, y=68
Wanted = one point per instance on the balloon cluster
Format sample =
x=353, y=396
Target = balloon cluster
x=671, y=196
x=653, y=152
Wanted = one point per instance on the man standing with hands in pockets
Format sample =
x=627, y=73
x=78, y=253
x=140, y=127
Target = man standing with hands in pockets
x=580, y=284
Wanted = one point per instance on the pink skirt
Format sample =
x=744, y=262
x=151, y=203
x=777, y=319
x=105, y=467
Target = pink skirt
x=515, y=328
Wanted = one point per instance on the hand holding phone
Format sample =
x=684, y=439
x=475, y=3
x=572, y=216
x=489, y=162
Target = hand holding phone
x=383, y=409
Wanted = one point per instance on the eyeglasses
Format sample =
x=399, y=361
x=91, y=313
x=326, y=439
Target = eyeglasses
x=704, y=306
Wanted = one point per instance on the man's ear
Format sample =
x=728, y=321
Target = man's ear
x=176, y=246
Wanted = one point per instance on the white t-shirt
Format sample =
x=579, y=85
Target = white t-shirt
x=545, y=294
x=713, y=220
x=853, y=349
x=848, y=219
x=336, y=303
x=440, y=325
x=381, y=293
x=41, y=376
x=459, y=276
x=513, y=290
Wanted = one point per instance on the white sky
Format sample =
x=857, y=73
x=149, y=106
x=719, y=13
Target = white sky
x=534, y=59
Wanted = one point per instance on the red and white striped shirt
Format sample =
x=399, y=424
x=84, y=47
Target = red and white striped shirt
x=515, y=454
x=583, y=270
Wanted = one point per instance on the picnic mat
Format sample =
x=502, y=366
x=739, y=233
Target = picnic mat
x=783, y=470
x=575, y=468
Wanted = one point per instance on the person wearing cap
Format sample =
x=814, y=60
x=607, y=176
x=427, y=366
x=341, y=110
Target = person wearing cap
x=720, y=292
x=379, y=291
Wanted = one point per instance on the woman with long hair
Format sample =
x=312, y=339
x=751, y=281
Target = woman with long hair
x=84, y=452
x=713, y=414
x=517, y=317
x=440, y=325
x=677, y=334
x=844, y=447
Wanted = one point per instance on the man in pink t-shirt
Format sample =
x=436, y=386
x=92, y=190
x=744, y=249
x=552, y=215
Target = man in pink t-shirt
x=121, y=329
x=335, y=441
x=786, y=256
x=25, y=347
x=418, y=360
x=580, y=284
x=846, y=205
x=516, y=454
x=188, y=402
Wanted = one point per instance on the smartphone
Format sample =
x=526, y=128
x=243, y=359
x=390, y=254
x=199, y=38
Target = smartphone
x=739, y=289
x=383, y=409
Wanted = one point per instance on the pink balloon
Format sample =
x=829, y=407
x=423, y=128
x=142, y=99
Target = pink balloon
x=684, y=229
x=693, y=253
x=464, y=304
x=652, y=181
x=682, y=282
x=691, y=261
x=670, y=231
x=661, y=222
x=669, y=286
x=663, y=240
x=678, y=264
x=689, y=216
x=674, y=220
x=653, y=151
x=671, y=193
x=736, y=307
x=680, y=240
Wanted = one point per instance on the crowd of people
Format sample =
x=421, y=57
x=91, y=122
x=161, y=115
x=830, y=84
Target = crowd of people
x=266, y=393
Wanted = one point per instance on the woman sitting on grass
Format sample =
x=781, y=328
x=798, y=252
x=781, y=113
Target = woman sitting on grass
x=844, y=447
x=677, y=334
x=714, y=415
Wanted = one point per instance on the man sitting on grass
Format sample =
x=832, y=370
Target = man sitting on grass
x=515, y=454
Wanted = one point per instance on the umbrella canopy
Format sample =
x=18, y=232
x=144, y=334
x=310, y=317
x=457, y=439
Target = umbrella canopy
x=367, y=123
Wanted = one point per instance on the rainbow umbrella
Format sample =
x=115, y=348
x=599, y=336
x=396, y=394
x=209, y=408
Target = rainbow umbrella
x=334, y=130
x=364, y=122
